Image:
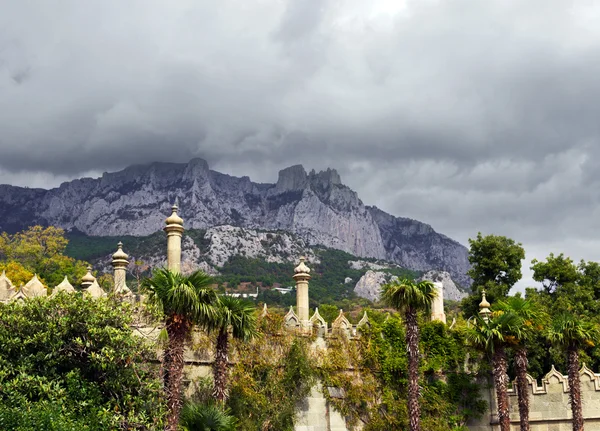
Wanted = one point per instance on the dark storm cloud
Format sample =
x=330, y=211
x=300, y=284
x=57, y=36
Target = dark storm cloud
x=471, y=115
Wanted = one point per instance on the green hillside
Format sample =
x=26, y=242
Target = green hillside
x=326, y=286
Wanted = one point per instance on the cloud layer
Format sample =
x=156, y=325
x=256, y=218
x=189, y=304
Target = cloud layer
x=470, y=115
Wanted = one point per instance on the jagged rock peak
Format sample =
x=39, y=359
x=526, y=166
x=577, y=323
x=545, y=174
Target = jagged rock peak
x=196, y=168
x=292, y=178
x=325, y=178
x=296, y=178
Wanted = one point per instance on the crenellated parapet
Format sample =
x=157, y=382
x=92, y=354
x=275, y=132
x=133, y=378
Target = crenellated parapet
x=548, y=402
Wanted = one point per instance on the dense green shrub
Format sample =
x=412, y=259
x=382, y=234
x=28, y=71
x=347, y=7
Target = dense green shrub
x=68, y=361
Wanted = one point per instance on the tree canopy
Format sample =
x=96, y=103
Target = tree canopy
x=496, y=267
x=39, y=250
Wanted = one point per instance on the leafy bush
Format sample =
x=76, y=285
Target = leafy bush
x=68, y=361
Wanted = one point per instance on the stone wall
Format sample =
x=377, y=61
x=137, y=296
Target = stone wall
x=549, y=404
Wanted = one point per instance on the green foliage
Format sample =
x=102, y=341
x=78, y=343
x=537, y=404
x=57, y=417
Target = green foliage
x=496, y=267
x=73, y=363
x=41, y=251
x=44, y=416
x=272, y=375
x=405, y=295
x=188, y=296
x=206, y=417
x=555, y=272
x=243, y=269
x=326, y=286
x=572, y=332
x=238, y=316
x=82, y=246
x=376, y=397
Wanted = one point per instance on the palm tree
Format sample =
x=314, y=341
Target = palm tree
x=489, y=336
x=572, y=333
x=184, y=301
x=239, y=317
x=409, y=298
x=206, y=417
x=517, y=335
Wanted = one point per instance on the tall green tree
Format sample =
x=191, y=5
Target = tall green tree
x=489, y=335
x=409, y=298
x=236, y=316
x=573, y=333
x=40, y=250
x=526, y=323
x=495, y=267
x=567, y=286
x=185, y=301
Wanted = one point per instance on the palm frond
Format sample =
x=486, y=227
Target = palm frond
x=206, y=417
x=569, y=330
x=190, y=296
x=238, y=315
x=404, y=294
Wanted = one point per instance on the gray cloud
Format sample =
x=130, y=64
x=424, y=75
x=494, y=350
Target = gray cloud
x=466, y=114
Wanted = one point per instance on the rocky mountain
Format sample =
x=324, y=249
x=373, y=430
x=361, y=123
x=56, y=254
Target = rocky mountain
x=315, y=206
x=451, y=290
x=369, y=285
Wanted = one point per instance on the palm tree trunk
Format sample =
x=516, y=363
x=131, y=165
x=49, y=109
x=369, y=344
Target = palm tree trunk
x=220, y=367
x=178, y=328
x=575, y=388
x=521, y=365
x=500, y=365
x=412, y=348
x=166, y=363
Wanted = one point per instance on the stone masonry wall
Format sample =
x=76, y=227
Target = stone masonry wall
x=549, y=404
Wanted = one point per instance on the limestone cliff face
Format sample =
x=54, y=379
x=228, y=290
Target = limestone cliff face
x=416, y=245
x=369, y=285
x=451, y=291
x=315, y=206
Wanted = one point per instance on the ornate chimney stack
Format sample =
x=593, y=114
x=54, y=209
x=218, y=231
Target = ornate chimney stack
x=484, y=307
x=119, y=263
x=302, y=275
x=174, y=230
x=437, y=307
x=88, y=279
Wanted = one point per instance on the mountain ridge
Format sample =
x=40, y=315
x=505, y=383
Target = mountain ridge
x=315, y=205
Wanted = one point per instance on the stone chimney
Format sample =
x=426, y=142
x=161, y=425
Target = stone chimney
x=119, y=263
x=174, y=230
x=302, y=275
x=437, y=307
x=484, y=307
x=88, y=279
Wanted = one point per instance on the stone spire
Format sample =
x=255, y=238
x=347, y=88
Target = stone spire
x=88, y=279
x=437, y=307
x=119, y=263
x=484, y=307
x=7, y=290
x=64, y=286
x=174, y=230
x=302, y=275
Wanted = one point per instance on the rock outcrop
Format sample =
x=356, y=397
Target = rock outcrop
x=369, y=285
x=451, y=291
x=315, y=206
x=417, y=246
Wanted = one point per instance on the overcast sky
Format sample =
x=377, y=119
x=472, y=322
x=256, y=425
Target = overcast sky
x=469, y=115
